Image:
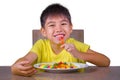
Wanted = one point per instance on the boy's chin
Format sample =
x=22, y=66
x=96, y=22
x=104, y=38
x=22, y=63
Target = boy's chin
x=57, y=42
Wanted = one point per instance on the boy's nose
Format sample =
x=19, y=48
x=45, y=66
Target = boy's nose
x=58, y=28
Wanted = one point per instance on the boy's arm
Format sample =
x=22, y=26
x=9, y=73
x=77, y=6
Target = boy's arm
x=95, y=58
x=23, y=66
x=31, y=57
x=90, y=56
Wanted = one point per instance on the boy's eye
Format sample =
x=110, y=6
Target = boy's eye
x=64, y=24
x=51, y=25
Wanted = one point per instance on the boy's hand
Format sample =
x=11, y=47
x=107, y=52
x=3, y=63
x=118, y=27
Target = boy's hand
x=23, y=68
x=71, y=48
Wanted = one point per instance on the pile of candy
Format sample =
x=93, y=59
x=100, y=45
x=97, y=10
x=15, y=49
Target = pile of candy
x=59, y=65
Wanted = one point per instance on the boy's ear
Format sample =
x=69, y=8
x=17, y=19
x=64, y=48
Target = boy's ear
x=42, y=30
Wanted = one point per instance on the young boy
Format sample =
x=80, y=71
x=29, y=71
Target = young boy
x=56, y=27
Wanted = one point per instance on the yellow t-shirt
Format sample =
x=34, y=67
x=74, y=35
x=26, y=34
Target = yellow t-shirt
x=45, y=54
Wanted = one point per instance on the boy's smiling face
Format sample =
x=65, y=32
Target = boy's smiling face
x=57, y=27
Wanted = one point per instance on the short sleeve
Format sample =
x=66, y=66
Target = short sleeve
x=37, y=47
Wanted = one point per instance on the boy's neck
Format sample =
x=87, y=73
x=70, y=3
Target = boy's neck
x=56, y=48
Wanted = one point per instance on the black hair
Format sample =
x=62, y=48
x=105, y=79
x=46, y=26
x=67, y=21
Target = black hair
x=52, y=10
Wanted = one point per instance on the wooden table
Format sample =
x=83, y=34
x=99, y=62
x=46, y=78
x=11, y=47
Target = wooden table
x=90, y=73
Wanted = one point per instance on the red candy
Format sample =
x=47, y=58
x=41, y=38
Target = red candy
x=61, y=40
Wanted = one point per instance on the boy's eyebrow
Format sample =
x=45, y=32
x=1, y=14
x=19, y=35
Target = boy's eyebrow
x=65, y=20
x=50, y=22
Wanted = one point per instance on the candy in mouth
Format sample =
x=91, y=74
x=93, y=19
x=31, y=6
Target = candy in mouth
x=61, y=39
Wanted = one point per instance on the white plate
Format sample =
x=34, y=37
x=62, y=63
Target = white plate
x=79, y=66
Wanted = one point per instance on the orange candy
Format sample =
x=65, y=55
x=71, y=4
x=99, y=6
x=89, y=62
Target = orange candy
x=61, y=40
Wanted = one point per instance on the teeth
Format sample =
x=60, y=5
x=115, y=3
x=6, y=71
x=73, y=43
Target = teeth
x=61, y=35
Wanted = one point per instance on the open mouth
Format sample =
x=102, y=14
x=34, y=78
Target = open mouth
x=59, y=35
x=60, y=38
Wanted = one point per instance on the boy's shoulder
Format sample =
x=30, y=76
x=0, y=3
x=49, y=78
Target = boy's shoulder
x=41, y=41
x=72, y=40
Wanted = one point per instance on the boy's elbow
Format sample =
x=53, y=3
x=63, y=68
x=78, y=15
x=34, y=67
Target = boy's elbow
x=107, y=63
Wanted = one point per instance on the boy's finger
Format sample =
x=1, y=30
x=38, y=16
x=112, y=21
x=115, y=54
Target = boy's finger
x=29, y=72
x=22, y=68
x=24, y=62
x=62, y=46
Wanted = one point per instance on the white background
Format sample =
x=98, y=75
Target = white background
x=100, y=20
